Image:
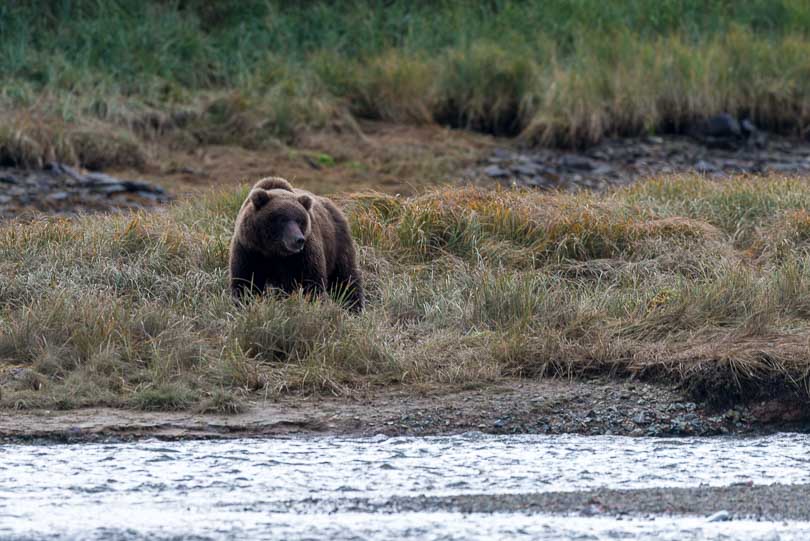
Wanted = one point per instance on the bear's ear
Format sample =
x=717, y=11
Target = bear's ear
x=259, y=198
x=306, y=201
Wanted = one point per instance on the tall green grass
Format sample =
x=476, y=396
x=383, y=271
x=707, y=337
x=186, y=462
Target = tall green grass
x=555, y=71
x=698, y=283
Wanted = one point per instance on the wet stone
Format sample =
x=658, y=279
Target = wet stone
x=527, y=169
x=576, y=162
x=496, y=171
x=58, y=196
x=706, y=167
x=722, y=125
x=784, y=167
x=140, y=186
x=721, y=149
x=720, y=516
x=110, y=188
x=61, y=189
x=640, y=419
x=100, y=178
x=602, y=170
x=151, y=196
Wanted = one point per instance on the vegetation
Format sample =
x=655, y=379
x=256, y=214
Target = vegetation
x=249, y=72
x=702, y=283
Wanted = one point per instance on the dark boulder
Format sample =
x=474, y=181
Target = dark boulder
x=753, y=137
x=575, y=162
x=722, y=125
x=721, y=131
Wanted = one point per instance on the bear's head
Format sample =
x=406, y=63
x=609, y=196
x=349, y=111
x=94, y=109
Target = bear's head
x=276, y=222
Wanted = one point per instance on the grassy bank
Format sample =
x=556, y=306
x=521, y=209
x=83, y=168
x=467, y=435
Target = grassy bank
x=684, y=280
x=85, y=78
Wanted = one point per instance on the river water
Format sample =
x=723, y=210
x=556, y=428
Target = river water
x=291, y=488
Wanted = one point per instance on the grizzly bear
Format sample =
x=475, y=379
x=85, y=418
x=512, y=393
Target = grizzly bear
x=286, y=238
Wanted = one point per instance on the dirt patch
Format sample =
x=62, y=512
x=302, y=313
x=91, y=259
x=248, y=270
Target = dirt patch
x=382, y=157
x=543, y=407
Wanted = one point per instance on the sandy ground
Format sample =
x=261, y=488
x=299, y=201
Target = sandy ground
x=519, y=406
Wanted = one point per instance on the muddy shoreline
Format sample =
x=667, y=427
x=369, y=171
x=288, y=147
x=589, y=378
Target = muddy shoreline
x=595, y=407
x=63, y=190
x=622, y=161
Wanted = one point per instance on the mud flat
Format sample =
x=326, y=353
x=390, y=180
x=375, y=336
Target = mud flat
x=595, y=407
x=619, y=162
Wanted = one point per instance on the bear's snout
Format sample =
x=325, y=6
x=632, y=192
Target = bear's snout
x=294, y=239
x=298, y=243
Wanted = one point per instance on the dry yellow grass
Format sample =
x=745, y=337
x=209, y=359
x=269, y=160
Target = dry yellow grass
x=683, y=280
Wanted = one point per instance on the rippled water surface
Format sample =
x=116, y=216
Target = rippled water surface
x=237, y=489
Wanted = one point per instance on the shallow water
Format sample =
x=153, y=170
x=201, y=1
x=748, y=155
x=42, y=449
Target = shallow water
x=239, y=489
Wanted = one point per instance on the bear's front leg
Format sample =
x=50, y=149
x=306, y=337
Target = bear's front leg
x=243, y=279
x=313, y=280
x=347, y=283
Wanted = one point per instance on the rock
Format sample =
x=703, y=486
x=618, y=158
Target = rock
x=784, y=167
x=621, y=161
x=721, y=131
x=62, y=169
x=576, y=162
x=116, y=187
x=141, y=186
x=151, y=196
x=703, y=166
x=534, y=182
x=747, y=128
x=721, y=126
x=720, y=516
x=21, y=378
x=602, y=170
x=754, y=137
x=496, y=171
x=62, y=189
x=527, y=169
x=640, y=419
x=100, y=179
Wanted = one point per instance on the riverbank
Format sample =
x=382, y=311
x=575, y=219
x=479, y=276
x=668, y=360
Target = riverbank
x=683, y=281
x=594, y=407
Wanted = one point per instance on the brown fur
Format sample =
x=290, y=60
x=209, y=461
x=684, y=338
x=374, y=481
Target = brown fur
x=273, y=222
